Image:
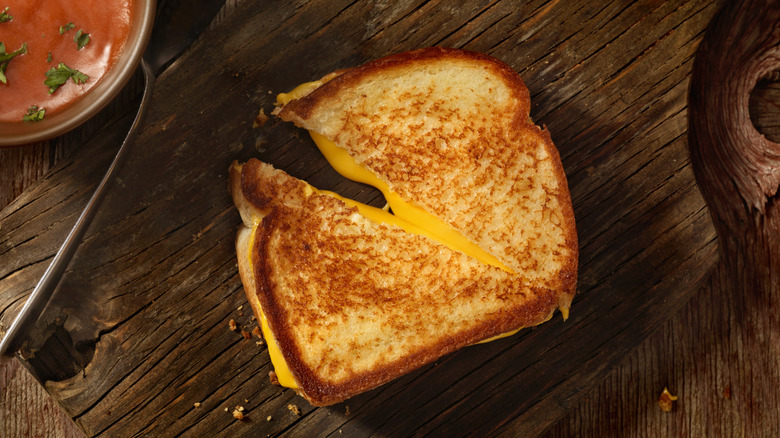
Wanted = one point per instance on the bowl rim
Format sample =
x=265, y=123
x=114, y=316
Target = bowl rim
x=103, y=92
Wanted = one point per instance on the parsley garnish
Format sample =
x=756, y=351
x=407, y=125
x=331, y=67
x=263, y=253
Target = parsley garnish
x=81, y=39
x=66, y=27
x=56, y=77
x=5, y=58
x=5, y=16
x=34, y=114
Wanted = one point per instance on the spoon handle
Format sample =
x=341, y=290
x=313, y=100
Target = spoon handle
x=43, y=291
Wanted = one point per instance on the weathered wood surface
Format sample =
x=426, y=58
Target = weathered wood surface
x=26, y=410
x=721, y=353
x=687, y=354
x=140, y=324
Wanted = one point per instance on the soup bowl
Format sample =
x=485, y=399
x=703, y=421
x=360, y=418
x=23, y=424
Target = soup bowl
x=99, y=95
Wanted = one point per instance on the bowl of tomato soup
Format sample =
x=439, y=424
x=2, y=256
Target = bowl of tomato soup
x=61, y=61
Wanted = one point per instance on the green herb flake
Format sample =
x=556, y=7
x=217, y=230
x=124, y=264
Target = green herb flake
x=5, y=58
x=34, y=114
x=5, y=16
x=48, y=58
x=66, y=27
x=81, y=39
x=56, y=77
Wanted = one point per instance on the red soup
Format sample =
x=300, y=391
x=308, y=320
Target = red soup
x=63, y=49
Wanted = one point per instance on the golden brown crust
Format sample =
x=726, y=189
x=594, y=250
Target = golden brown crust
x=318, y=267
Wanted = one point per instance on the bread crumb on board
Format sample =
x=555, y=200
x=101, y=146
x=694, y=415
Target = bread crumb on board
x=238, y=413
x=260, y=119
x=232, y=325
x=272, y=377
x=294, y=409
x=666, y=399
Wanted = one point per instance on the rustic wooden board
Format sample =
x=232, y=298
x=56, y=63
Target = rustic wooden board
x=721, y=353
x=139, y=332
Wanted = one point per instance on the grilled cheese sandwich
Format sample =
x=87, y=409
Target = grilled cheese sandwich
x=350, y=296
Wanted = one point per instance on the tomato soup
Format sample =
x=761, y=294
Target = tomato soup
x=65, y=40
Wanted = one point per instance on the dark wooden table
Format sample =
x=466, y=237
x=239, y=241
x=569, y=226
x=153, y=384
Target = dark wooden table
x=138, y=333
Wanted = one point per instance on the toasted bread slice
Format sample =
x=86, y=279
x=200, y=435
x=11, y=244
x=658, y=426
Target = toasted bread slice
x=449, y=130
x=353, y=303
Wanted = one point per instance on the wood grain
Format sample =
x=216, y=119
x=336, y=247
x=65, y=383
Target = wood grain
x=738, y=169
x=720, y=353
x=156, y=281
x=26, y=409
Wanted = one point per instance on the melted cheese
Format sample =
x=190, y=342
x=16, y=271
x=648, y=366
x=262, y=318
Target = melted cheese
x=404, y=213
x=298, y=92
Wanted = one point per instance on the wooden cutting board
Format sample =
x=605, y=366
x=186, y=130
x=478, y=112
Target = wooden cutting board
x=138, y=332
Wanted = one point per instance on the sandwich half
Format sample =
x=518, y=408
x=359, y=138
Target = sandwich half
x=481, y=240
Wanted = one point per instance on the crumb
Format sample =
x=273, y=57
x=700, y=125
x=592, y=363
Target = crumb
x=240, y=307
x=294, y=409
x=273, y=378
x=346, y=410
x=269, y=418
x=226, y=409
x=246, y=400
x=260, y=119
x=257, y=332
x=232, y=325
x=259, y=342
x=665, y=400
x=197, y=404
x=240, y=408
x=238, y=415
x=246, y=334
